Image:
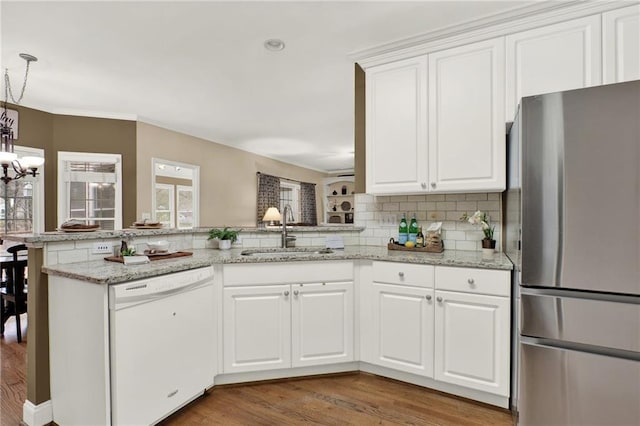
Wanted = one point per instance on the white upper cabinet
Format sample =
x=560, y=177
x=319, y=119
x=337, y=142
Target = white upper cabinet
x=396, y=127
x=466, y=118
x=621, y=44
x=557, y=57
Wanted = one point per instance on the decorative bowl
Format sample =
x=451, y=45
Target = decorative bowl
x=162, y=245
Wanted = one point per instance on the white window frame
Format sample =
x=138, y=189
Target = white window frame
x=63, y=181
x=37, y=196
x=295, y=199
x=184, y=188
x=172, y=202
x=195, y=184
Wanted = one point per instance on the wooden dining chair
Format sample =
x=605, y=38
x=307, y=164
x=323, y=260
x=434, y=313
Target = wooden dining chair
x=13, y=293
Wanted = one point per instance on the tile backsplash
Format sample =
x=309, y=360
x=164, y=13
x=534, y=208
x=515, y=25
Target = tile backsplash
x=380, y=215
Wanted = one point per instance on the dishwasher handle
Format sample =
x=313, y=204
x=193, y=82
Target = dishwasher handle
x=121, y=302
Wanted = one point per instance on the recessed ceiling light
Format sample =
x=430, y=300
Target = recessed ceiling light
x=274, y=44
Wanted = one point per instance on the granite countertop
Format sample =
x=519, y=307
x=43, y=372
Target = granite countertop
x=54, y=236
x=104, y=272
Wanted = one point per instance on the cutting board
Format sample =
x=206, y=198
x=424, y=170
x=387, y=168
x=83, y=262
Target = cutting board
x=119, y=259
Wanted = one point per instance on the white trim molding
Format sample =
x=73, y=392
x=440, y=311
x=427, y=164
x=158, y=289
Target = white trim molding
x=517, y=20
x=37, y=415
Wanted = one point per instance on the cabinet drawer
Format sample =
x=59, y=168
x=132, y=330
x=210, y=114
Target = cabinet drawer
x=482, y=281
x=403, y=273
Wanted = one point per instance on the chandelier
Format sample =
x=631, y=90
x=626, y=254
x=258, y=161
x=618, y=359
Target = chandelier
x=24, y=166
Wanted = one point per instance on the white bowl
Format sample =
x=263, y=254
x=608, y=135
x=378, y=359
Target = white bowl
x=162, y=245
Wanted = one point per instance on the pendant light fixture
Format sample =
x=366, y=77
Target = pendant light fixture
x=21, y=166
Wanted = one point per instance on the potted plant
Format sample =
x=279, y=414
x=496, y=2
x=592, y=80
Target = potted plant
x=481, y=218
x=225, y=236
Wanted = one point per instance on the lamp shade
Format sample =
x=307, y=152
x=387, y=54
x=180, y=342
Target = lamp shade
x=29, y=162
x=272, y=215
x=7, y=157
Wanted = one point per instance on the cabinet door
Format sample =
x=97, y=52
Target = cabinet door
x=472, y=341
x=553, y=58
x=322, y=323
x=466, y=118
x=403, y=328
x=396, y=117
x=621, y=44
x=257, y=328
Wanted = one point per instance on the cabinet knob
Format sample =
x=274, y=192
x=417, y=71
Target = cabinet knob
x=428, y=297
x=439, y=299
x=295, y=292
x=401, y=274
x=433, y=184
x=471, y=281
x=286, y=293
x=423, y=185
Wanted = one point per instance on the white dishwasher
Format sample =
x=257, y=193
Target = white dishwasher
x=162, y=344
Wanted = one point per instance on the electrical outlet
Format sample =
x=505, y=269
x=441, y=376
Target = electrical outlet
x=102, y=247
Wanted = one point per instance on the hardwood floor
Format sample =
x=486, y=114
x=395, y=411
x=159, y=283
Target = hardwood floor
x=13, y=373
x=348, y=399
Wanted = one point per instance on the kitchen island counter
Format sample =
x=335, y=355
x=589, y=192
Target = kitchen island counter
x=104, y=272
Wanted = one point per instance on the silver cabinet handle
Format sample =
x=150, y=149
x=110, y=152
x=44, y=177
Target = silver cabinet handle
x=428, y=297
x=471, y=281
x=401, y=274
x=286, y=293
x=295, y=292
x=439, y=299
x=423, y=185
x=433, y=184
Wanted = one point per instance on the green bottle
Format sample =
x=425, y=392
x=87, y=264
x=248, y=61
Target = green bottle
x=403, y=231
x=413, y=229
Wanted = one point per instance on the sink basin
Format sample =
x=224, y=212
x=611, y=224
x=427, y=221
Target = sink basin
x=280, y=252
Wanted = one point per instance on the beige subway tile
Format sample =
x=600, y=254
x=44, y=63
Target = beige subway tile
x=446, y=205
x=391, y=207
x=398, y=198
x=408, y=207
x=453, y=215
x=466, y=245
x=493, y=196
x=382, y=198
x=455, y=197
x=435, y=215
x=435, y=197
x=73, y=256
x=467, y=206
x=477, y=197
x=417, y=198
x=488, y=205
x=454, y=235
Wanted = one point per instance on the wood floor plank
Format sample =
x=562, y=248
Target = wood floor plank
x=13, y=371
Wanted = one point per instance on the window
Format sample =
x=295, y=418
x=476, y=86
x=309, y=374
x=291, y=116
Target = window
x=164, y=204
x=175, y=194
x=290, y=195
x=21, y=205
x=90, y=188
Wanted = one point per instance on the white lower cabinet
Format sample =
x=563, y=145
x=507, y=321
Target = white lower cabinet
x=403, y=328
x=472, y=341
x=257, y=328
x=272, y=326
x=321, y=323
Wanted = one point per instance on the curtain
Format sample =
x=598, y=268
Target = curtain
x=268, y=194
x=308, y=211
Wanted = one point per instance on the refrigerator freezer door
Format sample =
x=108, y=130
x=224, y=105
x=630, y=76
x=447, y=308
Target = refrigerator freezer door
x=603, y=325
x=565, y=387
x=580, y=189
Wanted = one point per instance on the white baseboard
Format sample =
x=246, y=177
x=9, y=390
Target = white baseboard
x=37, y=415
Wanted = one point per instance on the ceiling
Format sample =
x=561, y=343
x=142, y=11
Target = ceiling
x=200, y=68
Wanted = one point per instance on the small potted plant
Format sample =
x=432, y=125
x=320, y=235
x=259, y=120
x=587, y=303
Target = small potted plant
x=224, y=236
x=481, y=218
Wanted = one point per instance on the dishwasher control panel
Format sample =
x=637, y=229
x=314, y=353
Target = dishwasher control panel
x=125, y=294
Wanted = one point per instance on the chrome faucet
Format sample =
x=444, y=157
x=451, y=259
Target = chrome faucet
x=286, y=239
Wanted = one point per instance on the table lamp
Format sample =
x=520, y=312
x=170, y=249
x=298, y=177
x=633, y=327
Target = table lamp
x=272, y=215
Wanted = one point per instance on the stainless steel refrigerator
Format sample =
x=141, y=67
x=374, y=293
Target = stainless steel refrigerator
x=572, y=218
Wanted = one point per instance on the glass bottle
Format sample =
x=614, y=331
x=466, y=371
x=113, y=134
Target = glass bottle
x=403, y=231
x=420, y=238
x=413, y=229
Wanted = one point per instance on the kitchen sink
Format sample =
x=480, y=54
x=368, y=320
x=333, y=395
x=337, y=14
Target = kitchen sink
x=279, y=252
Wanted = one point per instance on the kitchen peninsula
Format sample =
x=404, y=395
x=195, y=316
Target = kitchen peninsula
x=362, y=286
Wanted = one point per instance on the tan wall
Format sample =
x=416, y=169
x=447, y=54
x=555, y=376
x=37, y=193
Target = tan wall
x=359, y=131
x=53, y=133
x=99, y=135
x=228, y=182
